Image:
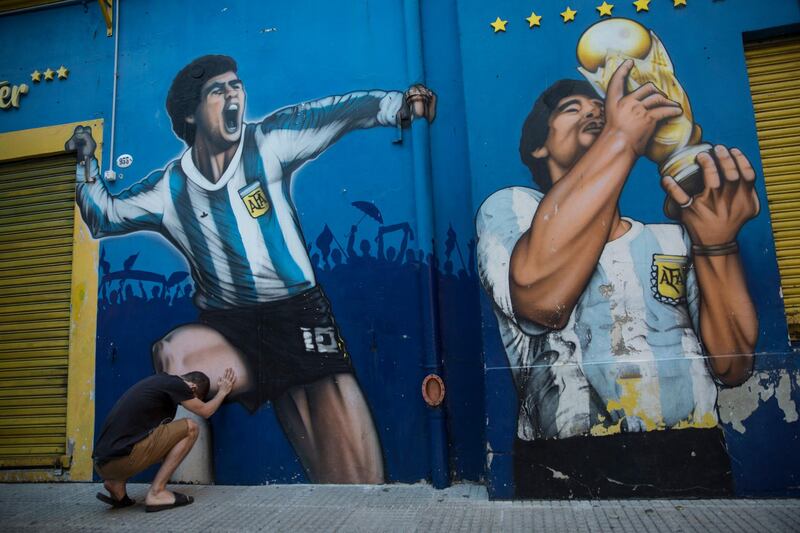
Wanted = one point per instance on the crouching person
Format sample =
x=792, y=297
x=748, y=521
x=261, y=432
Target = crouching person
x=140, y=431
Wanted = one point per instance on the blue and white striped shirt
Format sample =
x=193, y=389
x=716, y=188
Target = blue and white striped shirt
x=629, y=359
x=240, y=235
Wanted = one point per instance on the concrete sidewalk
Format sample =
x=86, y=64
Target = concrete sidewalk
x=296, y=508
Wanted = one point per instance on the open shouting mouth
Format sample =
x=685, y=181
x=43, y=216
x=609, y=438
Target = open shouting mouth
x=594, y=126
x=230, y=117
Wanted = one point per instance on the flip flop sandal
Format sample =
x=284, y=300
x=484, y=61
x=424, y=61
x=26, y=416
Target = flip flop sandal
x=180, y=501
x=115, y=504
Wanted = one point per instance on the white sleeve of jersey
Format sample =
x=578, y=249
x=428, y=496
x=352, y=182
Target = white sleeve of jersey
x=301, y=132
x=140, y=207
x=500, y=222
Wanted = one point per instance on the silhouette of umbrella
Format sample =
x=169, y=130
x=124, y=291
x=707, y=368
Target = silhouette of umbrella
x=370, y=210
x=176, y=277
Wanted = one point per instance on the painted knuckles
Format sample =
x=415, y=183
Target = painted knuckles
x=421, y=101
x=81, y=142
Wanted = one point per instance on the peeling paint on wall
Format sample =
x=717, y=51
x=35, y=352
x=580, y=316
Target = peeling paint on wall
x=737, y=404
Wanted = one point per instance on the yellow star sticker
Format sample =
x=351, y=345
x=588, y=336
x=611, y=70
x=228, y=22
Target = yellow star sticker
x=499, y=25
x=534, y=20
x=63, y=72
x=48, y=74
x=36, y=76
x=568, y=14
x=605, y=9
x=642, y=5
x=676, y=3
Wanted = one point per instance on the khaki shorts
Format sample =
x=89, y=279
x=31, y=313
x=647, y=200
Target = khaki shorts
x=149, y=451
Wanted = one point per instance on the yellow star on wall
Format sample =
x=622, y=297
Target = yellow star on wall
x=676, y=3
x=534, y=20
x=605, y=9
x=568, y=14
x=63, y=72
x=36, y=76
x=642, y=5
x=48, y=74
x=499, y=25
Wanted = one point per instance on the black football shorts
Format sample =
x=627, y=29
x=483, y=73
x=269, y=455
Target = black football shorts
x=285, y=343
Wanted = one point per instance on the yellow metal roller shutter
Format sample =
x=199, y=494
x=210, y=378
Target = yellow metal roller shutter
x=36, y=230
x=13, y=5
x=774, y=69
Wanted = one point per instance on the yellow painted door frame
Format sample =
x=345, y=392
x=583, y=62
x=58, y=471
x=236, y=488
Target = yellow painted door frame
x=83, y=312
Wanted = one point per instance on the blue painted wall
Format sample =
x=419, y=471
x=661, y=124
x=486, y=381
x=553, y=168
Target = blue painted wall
x=72, y=36
x=290, y=52
x=504, y=73
x=284, y=56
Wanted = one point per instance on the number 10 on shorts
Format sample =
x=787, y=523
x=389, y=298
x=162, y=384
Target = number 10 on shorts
x=322, y=340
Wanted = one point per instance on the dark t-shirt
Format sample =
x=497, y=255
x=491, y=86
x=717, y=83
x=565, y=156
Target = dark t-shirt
x=139, y=411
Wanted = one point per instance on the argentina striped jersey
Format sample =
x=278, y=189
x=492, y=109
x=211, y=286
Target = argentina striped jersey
x=629, y=359
x=240, y=235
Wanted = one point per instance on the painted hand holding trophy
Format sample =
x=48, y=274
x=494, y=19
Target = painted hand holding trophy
x=677, y=141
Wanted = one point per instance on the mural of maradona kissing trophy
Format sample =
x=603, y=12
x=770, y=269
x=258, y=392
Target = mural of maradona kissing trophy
x=676, y=142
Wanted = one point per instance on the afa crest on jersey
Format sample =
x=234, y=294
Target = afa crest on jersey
x=254, y=199
x=668, y=278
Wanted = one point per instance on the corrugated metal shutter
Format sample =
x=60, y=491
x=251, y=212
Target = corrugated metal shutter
x=36, y=222
x=13, y=5
x=774, y=69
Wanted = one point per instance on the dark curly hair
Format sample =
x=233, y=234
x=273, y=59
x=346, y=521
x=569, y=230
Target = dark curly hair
x=184, y=93
x=536, y=126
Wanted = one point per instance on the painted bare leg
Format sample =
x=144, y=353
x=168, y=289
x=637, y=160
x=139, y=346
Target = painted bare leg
x=196, y=467
x=330, y=426
x=195, y=347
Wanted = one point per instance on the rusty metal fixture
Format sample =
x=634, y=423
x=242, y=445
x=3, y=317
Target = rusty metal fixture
x=433, y=390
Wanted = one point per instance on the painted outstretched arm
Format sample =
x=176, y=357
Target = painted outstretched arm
x=728, y=320
x=138, y=208
x=383, y=230
x=301, y=132
x=555, y=257
x=351, y=240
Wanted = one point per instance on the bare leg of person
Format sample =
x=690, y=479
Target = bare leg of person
x=115, y=488
x=158, y=493
x=195, y=347
x=330, y=427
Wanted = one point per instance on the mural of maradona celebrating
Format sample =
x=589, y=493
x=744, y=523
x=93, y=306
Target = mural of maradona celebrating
x=226, y=206
x=617, y=332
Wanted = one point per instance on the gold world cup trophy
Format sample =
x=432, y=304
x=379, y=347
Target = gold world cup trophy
x=677, y=141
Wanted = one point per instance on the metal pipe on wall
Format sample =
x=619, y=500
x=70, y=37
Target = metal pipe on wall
x=111, y=161
x=423, y=193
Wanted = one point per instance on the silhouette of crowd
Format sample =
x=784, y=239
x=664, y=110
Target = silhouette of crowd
x=340, y=270
x=132, y=289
